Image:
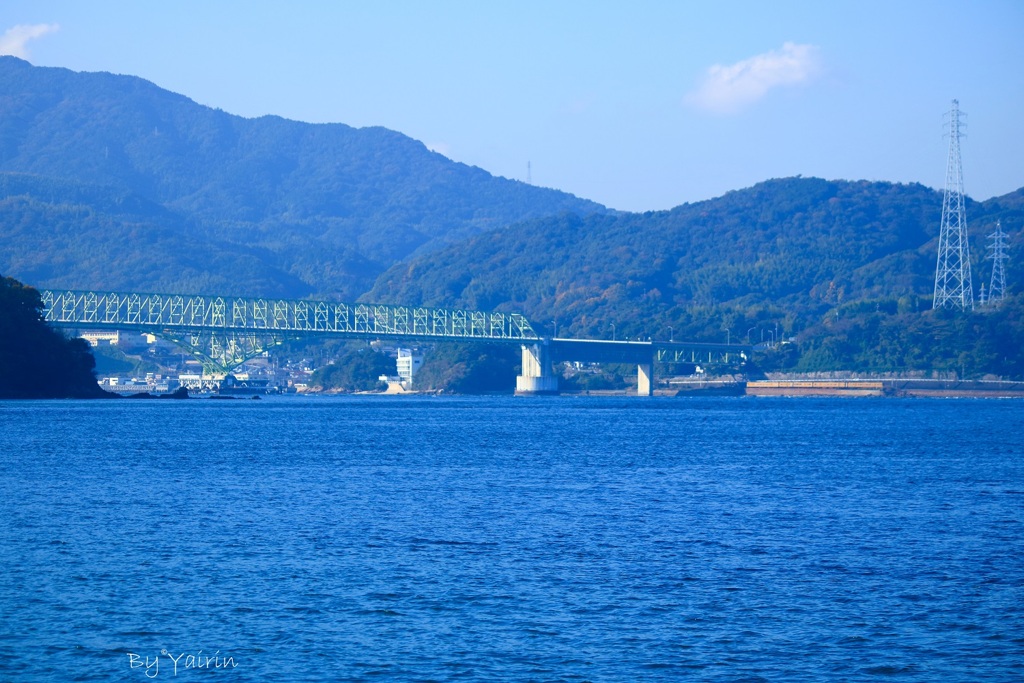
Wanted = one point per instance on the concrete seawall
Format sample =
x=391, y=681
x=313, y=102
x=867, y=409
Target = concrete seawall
x=887, y=387
x=922, y=388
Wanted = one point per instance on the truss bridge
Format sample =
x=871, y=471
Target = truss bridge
x=226, y=331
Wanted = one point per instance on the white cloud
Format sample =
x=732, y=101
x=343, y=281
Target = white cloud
x=727, y=89
x=14, y=40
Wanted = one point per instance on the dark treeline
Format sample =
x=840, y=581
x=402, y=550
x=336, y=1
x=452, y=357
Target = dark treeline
x=458, y=368
x=356, y=369
x=37, y=361
x=478, y=368
x=886, y=337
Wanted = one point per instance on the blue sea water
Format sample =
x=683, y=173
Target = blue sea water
x=503, y=539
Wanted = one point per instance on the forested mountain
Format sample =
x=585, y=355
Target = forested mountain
x=785, y=258
x=784, y=249
x=66, y=234
x=208, y=199
x=37, y=361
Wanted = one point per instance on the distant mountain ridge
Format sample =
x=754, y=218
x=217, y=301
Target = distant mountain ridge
x=785, y=250
x=327, y=205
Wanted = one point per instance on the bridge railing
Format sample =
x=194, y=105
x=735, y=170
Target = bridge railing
x=92, y=309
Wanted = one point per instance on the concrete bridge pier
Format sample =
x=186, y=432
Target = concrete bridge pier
x=537, y=378
x=645, y=379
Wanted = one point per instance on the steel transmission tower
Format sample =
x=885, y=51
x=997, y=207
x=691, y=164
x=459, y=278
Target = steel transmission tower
x=953, y=269
x=997, y=254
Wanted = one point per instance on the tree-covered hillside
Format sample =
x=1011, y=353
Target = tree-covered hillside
x=323, y=209
x=36, y=361
x=63, y=233
x=767, y=263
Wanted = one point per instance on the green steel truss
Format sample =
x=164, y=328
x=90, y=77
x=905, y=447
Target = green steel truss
x=697, y=353
x=230, y=330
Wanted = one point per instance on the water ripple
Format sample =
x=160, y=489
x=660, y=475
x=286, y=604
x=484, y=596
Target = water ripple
x=456, y=539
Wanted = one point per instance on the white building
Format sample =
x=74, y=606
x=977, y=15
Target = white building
x=408, y=364
x=96, y=338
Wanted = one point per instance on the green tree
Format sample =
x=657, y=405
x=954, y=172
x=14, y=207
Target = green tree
x=470, y=369
x=357, y=370
x=37, y=361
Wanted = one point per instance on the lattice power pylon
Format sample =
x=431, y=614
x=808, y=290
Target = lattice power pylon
x=953, y=269
x=997, y=254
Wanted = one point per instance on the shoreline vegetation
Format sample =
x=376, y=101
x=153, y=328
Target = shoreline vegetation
x=37, y=361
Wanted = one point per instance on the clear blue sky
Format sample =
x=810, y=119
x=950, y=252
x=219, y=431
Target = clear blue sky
x=638, y=105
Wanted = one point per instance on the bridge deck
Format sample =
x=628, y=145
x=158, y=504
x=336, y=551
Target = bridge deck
x=162, y=312
x=234, y=329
